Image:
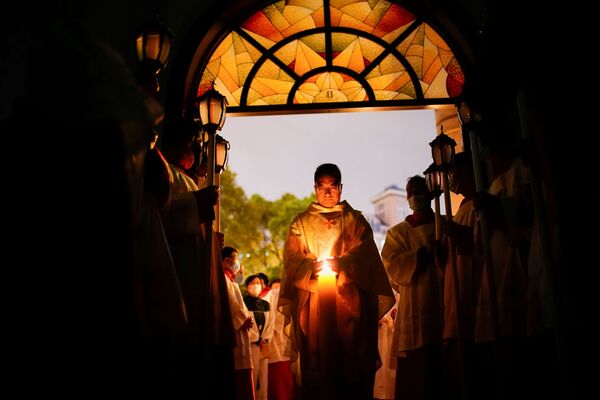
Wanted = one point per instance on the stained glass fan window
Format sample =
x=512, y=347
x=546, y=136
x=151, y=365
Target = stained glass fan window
x=303, y=53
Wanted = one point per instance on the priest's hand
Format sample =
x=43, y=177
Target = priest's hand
x=205, y=200
x=332, y=263
x=247, y=324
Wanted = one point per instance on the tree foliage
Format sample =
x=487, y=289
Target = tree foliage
x=257, y=227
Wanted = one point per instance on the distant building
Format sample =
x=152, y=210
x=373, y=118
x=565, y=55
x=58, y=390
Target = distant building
x=391, y=207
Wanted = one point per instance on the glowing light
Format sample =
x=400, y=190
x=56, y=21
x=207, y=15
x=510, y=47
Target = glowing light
x=327, y=294
x=326, y=272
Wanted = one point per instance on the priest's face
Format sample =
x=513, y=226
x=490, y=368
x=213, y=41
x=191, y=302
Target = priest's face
x=327, y=192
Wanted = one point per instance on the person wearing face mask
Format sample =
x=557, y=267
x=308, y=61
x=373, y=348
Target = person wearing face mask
x=408, y=256
x=243, y=322
x=262, y=334
x=235, y=266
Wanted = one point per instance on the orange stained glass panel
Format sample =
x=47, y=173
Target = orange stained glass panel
x=306, y=59
x=231, y=68
x=354, y=52
x=234, y=60
x=391, y=81
x=329, y=87
x=379, y=17
x=303, y=54
x=434, y=63
x=271, y=85
x=282, y=19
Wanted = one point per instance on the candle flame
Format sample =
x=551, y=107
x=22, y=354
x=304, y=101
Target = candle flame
x=326, y=271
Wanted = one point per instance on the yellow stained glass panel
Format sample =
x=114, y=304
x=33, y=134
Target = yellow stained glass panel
x=231, y=68
x=375, y=72
x=307, y=59
x=341, y=3
x=381, y=82
x=282, y=19
x=330, y=87
x=300, y=26
x=370, y=49
x=433, y=62
x=399, y=81
x=437, y=70
x=390, y=64
x=358, y=10
x=354, y=51
x=294, y=14
x=268, y=70
x=270, y=85
x=437, y=87
x=376, y=12
x=287, y=54
x=351, y=57
x=279, y=21
x=380, y=17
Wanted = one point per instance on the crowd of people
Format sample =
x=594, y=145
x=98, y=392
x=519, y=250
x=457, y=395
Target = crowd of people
x=162, y=288
x=417, y=321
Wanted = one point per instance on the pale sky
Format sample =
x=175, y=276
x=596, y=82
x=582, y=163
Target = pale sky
x=272, y=155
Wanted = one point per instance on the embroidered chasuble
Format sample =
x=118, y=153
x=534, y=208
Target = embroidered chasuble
x=363, y=290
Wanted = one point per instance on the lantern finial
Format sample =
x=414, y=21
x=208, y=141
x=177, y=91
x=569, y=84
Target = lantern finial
x=442, y=150
x=212, y=107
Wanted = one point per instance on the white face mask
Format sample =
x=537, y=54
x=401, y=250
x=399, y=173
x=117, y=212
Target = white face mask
x=254, y=290
x=238, y=275
x=235, y=267
x=419, y=203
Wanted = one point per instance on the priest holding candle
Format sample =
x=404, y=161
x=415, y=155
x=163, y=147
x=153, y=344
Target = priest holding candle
x=334, y=291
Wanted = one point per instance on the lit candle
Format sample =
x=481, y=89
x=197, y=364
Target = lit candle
x=327, y=292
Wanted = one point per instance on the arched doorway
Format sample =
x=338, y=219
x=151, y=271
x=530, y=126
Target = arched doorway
x=302, y=55
x=307, y=56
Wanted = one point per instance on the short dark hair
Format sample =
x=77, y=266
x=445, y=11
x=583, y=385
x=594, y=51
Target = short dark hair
x=250, y=279
x=227, y=251
x=264, y=277
x=329, y=169
x=420, y=182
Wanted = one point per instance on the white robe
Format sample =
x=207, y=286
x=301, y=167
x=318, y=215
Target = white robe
x=385, y=377
x=280, y=344
x=419, y=314
x=260, y=355
x=242, y=352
